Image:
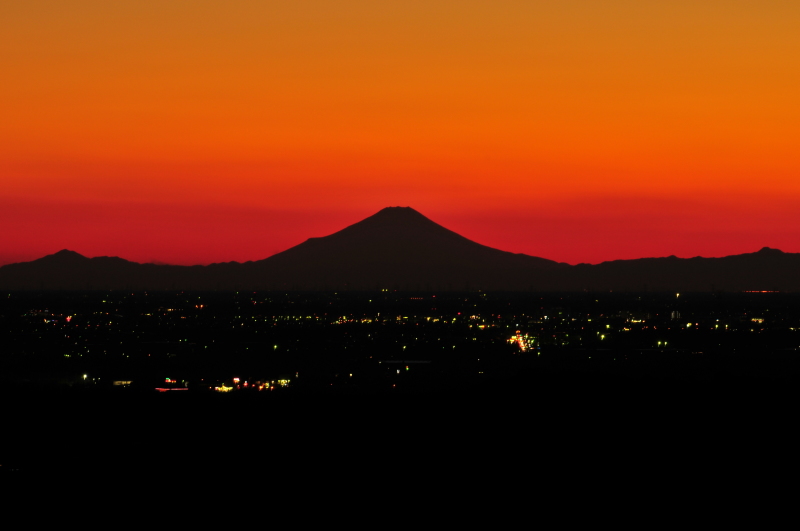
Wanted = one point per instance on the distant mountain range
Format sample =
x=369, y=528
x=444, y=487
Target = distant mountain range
x=399, y=248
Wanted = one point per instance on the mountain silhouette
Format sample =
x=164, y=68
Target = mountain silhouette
x=399, y=248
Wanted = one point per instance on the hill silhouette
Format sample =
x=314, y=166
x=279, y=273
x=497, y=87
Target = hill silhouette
x=399, y=248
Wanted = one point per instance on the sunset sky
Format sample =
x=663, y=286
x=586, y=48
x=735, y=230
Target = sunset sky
x=201, y=131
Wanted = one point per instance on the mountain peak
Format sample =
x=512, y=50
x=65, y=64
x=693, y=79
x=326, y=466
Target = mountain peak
x=769, y=250
x=398, y=209
x=66, y=252
x=65, y=256
x=397, y=221
x=398, y=212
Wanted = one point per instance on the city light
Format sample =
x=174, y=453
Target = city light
x=350, y=339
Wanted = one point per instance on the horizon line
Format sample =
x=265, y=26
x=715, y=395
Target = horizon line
x=160, y=263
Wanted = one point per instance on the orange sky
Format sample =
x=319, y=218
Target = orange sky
x=200, y=131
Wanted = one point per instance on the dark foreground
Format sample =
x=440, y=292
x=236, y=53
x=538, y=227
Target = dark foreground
x=544, y=420
x=391, y=387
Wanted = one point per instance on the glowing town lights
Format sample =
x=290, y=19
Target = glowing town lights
x=524, y=342
x=236, y=380
x=85, y=376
